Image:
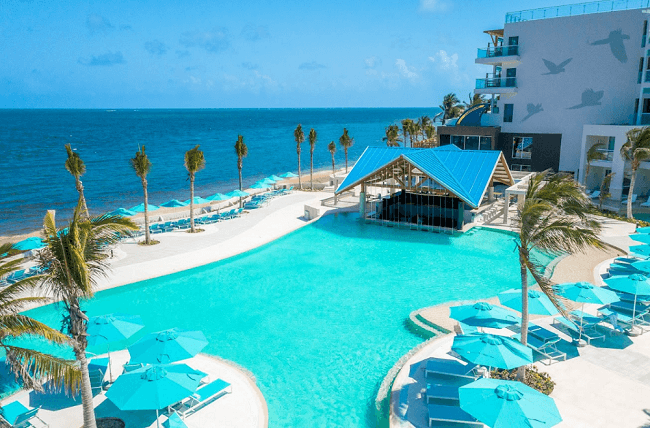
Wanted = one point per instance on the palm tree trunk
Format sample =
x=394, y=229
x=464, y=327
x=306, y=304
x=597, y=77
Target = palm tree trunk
x=333, y=167
x=346, y=160
x=146, y=212
x=80, y=189
x=299, y=173
x=311, y=171
x=584, y=180
x=240, y=185
x=192, y=203
x=630, y=193
x=523, y=262
x=86, y=390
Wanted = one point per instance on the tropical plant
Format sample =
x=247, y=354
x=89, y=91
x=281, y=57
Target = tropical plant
x=346, y=142
x=604, y=189
x=142, y=165
x=552, y=219
x=406, y=130
x=194, y=162
x=32, y=367
x=312, y=143
x=450, y=107
x=424, y=122
x=474, y=99
x=241, y=150
x=635, y=150
x=430, y=132
x=299, y=136
x=392, y=136
x=77, y=168
x=73, y=260
x=593, y=154
x=332, y=148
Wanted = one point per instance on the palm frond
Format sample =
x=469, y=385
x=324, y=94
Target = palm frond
x=17, y=325
x=34, y=368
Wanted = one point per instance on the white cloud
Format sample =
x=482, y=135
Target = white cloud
x=445, y=61
x=405, y=70
x=372, y=62
x=434, y=5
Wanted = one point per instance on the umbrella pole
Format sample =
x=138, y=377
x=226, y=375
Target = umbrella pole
x=110, y=369
x=157, y=419
x=634, y=312
x=582, y=314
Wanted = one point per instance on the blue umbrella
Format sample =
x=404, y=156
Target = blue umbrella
x=140, y=208
x=266, y=181
x=32, y=243
x=122, y=212
x=641, y=237
x=642, y=265
x=218, y=197
x=275, y=178
x=260, y=185
x=105, y=329
x=174, y=203
x=237, y=194
x=154, y=387
x=167, y=346
x=174, y=421
x=483, y=314
x=538, y=303
x=492, y=350
x=508, y=404
x=642, y=250
x=198, y=200
x=584, y=292
x=288, y=175
x=636, y=284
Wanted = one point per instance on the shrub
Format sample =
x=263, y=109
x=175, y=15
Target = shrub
x=535, y=379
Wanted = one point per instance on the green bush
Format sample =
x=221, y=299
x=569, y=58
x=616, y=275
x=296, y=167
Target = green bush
x=535, y=379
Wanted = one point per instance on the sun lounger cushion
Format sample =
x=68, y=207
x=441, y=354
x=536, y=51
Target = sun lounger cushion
x=16, y=414
x=440, y=413
x=442, y=392
x=453, y=368
x=211, y=389
x=541, y=333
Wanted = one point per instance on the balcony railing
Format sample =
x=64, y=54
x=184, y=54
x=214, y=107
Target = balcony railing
x=576, y=9
x=608, y=154
x=496, y=82
x=497, y=51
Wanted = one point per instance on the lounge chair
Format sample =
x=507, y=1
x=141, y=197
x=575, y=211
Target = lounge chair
x=451, y=368
x=450, y=414
x=612, y=314
x=589, y=332
x=634, y=197
x=646, y=203
x=626, y=306
x=444, y=392
x=541, y=333
x=16, y=276
x=595, y=195
x=627, y=297
x=202, y=396
x=17, y=415
x=547, y=348
x=97, y=382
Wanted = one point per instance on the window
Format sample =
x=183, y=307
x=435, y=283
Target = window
x=458, y=141
x=640, y=70
x=471, y=143
x=514, y=41
x=645, y=33
x=520, y=167
x=486, y=143
x=511, y=72
x=646, y=105
x=513, y=45
x=522, y=147
x=610, y=143
x=636, y=108
x=508, y=110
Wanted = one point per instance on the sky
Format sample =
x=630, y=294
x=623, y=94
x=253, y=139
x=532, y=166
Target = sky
x=243, y=53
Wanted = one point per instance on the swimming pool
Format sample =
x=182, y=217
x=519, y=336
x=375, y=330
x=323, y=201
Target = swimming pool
x=318, y=315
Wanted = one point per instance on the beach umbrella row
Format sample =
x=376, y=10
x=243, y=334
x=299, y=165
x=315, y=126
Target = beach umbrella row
x=33, y=243
x=538, y=303
x=483, y=314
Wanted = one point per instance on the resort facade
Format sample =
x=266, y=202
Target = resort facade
x=551, y=75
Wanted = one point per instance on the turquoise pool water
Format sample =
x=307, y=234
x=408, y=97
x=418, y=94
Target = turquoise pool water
x=318, y=315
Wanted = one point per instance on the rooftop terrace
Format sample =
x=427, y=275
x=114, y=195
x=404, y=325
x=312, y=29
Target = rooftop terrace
x=575, y=10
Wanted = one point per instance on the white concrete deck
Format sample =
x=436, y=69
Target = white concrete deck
x=603, y=385
x=244, y=407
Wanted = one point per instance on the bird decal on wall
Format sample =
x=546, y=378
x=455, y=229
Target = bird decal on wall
x=555, y=68
x=589, y=98
x=615, y=42
x=532, y=110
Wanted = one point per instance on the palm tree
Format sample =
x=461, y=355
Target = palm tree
x=77, y=168
x=406, y=130
x=604, y=189
x=241, y=151
x=312, y=143
x=593, y=154
x=332, y=148
x=33, y=368
x=73, y=260
x=346, y=142
x=474, y=100
x=142, y=165
x=194, y=162
x=299, y=136
x=430, y=131
x=415, y=131
x=553, y=219
x=424, y=122
x=392, y=136
x=635, y=151
x=449, y=107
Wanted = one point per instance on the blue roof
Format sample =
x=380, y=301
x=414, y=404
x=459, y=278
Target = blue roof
x=466, y=173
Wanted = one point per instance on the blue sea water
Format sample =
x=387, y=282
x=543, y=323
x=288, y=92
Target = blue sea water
x=32, y=155
x=318, y=316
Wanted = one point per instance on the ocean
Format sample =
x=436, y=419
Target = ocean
x=32, y=154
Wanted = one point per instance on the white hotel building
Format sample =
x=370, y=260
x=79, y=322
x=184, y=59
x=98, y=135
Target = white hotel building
x=560, y=80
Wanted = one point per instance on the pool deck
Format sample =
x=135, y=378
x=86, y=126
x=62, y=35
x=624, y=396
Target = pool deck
x=602, y=385
x=243, y=407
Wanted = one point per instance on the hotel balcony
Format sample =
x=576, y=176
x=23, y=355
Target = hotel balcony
x=496, y=85
x=495, y=55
